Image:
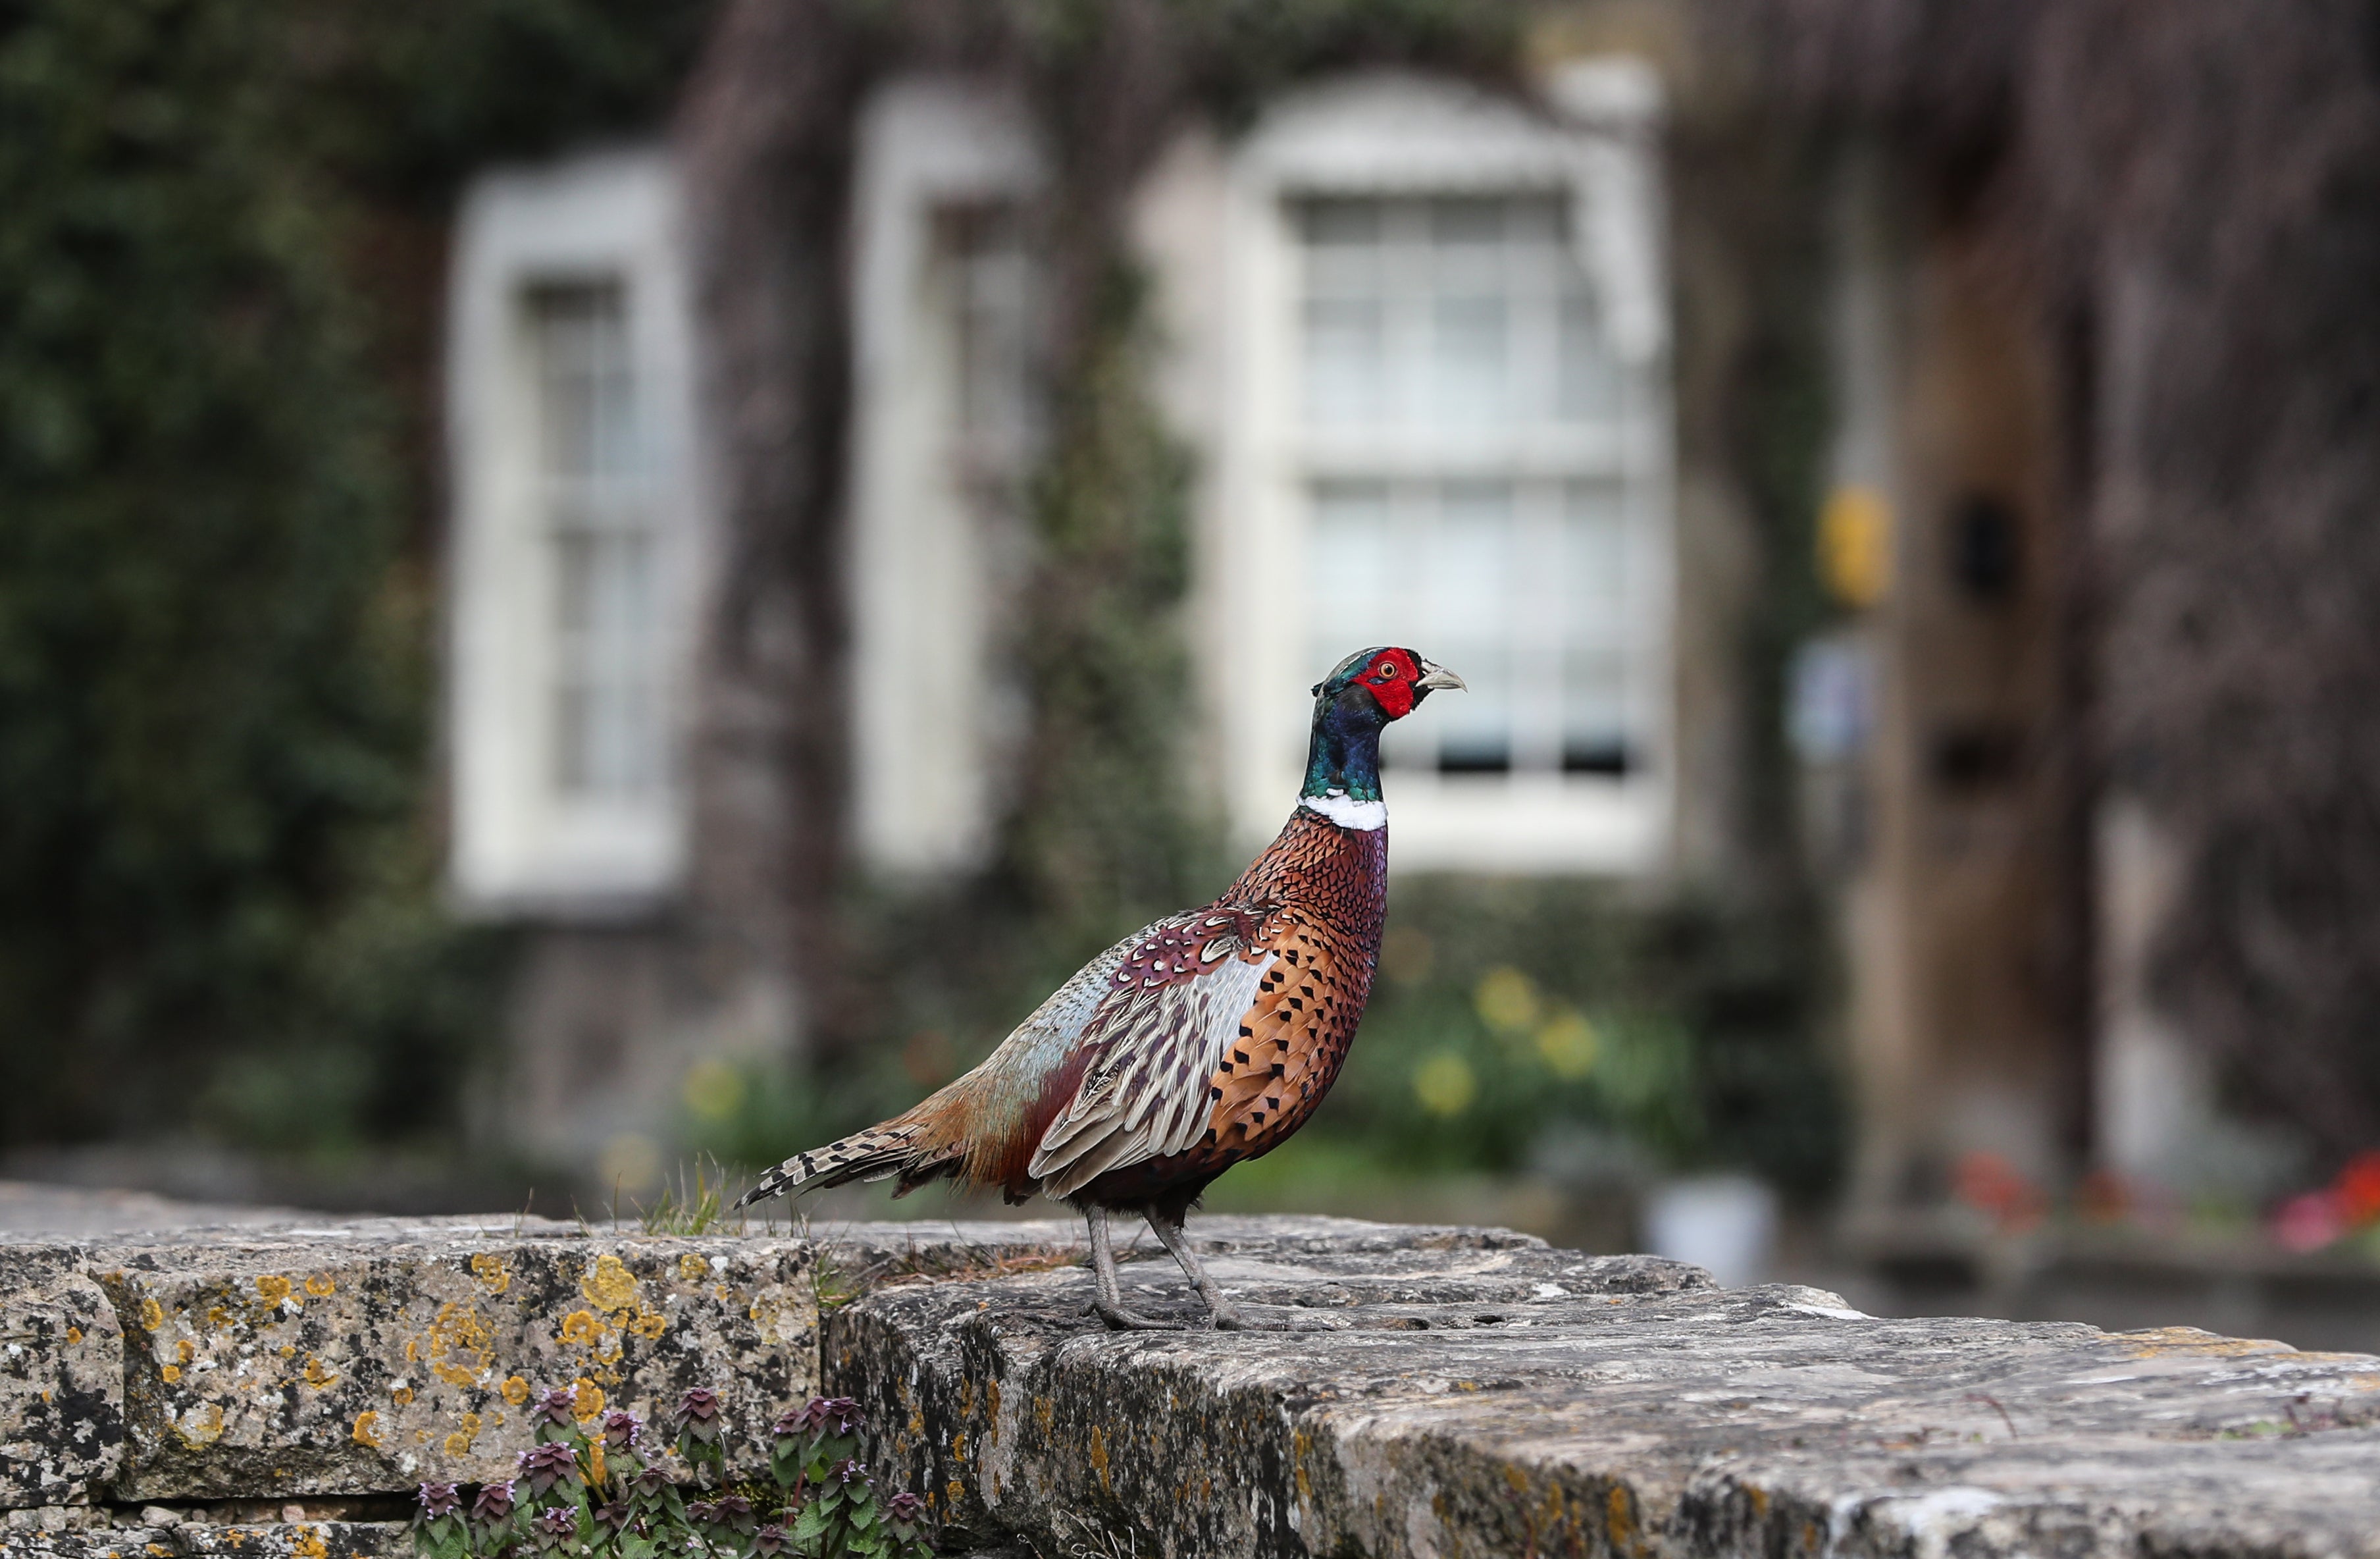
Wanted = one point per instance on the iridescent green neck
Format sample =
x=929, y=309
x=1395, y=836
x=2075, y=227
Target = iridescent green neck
x=1344, y=756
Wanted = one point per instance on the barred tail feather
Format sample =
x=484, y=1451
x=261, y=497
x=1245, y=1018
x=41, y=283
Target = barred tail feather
x=902, y=1147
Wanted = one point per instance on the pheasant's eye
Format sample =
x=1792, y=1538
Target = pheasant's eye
x=1384, y=672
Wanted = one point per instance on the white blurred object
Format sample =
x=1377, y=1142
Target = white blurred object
x=1727, y=1222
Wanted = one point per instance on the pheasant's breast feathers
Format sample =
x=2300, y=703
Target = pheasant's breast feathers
x=1221, y=1029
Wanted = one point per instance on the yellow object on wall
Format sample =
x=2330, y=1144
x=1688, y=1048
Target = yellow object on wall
x=1855, y=545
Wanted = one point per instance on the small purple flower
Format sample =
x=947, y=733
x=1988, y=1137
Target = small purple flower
x=546, y=1465
x=559, y=1406
x=555, y=1526
x=697, y=1415
x=905, y=1508
x=848, y=1470
x=620, y=1430
x=439, y=1500
x=495, y=1504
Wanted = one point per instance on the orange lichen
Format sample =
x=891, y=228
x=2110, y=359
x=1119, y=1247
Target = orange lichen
x=1099, y=1457
x=650, y=1323
x=693, y=1268
x=609, y=1285
x=316, y=1375
x=458, y=1345
x=173, y=1373
x=587, y=1399
x=578, y=1328
x=320, y=1286
x=400, y=1395
x=185, y=1351
x=515, y=1390
x=152, y=1314
x=271, y=1289
x=73, y=1335
x=367, y=1430
x=494, y=1275
x=308, y=1544
x=459, y=1443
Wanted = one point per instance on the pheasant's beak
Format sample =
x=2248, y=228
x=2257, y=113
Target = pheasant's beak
x=1435, y=676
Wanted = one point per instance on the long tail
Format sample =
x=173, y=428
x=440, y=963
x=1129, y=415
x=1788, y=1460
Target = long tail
x=906, y=1146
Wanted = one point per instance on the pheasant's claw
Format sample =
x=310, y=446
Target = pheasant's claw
x=1122, y=1320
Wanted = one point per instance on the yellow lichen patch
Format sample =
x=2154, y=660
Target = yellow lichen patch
x=784, y=1319
x=578, y=1328
x=218, y=1316
x=648, y=1325
x=958, y=1447
x=1759, y=1498
x=316, y=1375
x=1619, y=1519
x=956, y=1490
x=289, y=1350
x=692, y=1268
x=320, y=1286
x=401, y=1396
x=152, y=1314
x=74, y=1335
x=367, y=1430
x=271, y=1289
x=515, y=1390
x=308, y=1544
x=587, y=1399
x=458, y=1345
x=185, y=1350
x=201, y=1425
x=494, y=1275
x=459, y=1443
x=2160, y=1340
x=609, y=1285
x=173, y=1373
x=1100, y=1457
x=596, y=1471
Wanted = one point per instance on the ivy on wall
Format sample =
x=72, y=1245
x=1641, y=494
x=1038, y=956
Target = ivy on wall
x=217, y=888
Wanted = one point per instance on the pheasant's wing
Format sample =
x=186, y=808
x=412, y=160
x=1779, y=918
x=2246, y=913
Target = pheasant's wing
x=1173, y=1004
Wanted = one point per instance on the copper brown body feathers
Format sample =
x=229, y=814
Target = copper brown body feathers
x=1200, y=1041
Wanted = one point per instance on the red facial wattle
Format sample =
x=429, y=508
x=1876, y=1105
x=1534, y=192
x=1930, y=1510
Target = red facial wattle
x=1391, y=679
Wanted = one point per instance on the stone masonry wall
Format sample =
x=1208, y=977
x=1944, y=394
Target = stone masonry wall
x=278, y=1391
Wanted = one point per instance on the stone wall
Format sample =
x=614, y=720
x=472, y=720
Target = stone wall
x=278, y=1391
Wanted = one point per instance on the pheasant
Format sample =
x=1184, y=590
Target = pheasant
x=1197, y=1042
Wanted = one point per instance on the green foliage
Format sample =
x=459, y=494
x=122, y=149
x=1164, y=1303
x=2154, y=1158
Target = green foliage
x=1516, y=1022
x=608, y=1492
x=217, y=883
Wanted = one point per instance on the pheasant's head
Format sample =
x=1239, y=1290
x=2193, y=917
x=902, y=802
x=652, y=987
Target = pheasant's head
x=1396, y=680
x=1352, y=707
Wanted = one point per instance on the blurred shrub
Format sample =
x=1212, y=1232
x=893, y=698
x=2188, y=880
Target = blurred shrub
x=216, y=884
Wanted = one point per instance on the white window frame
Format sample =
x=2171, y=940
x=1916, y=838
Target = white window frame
x=1394, y=134
x=925, y=696
x=520, y=845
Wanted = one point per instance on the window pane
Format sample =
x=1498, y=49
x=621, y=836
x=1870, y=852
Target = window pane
x=591, y=443
x=1345, y=362
x=1473, y=583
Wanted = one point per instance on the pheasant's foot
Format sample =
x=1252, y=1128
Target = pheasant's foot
x=1122, y=1320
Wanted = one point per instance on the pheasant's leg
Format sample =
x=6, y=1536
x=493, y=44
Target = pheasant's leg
x=1220, y=1312
x=1108, y=1305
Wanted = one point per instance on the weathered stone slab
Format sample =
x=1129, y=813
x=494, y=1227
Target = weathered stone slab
x=177, y=1538
x=273, y=1367
x=1525, y=1401
x=61, y=1383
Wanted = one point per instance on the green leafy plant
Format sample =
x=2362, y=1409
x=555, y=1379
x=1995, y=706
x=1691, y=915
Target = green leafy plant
x=605, y=1492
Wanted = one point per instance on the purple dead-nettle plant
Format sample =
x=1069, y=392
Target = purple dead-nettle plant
x=557, y=1408
x=495, y=1504
x=621, y=1430
x=769, y=1541
x=542, y=1467
x=440, y=1498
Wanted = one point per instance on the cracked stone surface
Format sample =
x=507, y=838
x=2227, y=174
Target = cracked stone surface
x=1516, y=1400
x=235, y=1390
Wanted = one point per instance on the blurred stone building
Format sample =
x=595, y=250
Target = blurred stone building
x=1747, y=410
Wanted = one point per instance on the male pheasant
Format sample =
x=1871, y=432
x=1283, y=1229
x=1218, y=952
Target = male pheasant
x=1196, y=1043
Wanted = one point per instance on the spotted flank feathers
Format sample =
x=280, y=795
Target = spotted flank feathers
x=1202, y=1040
